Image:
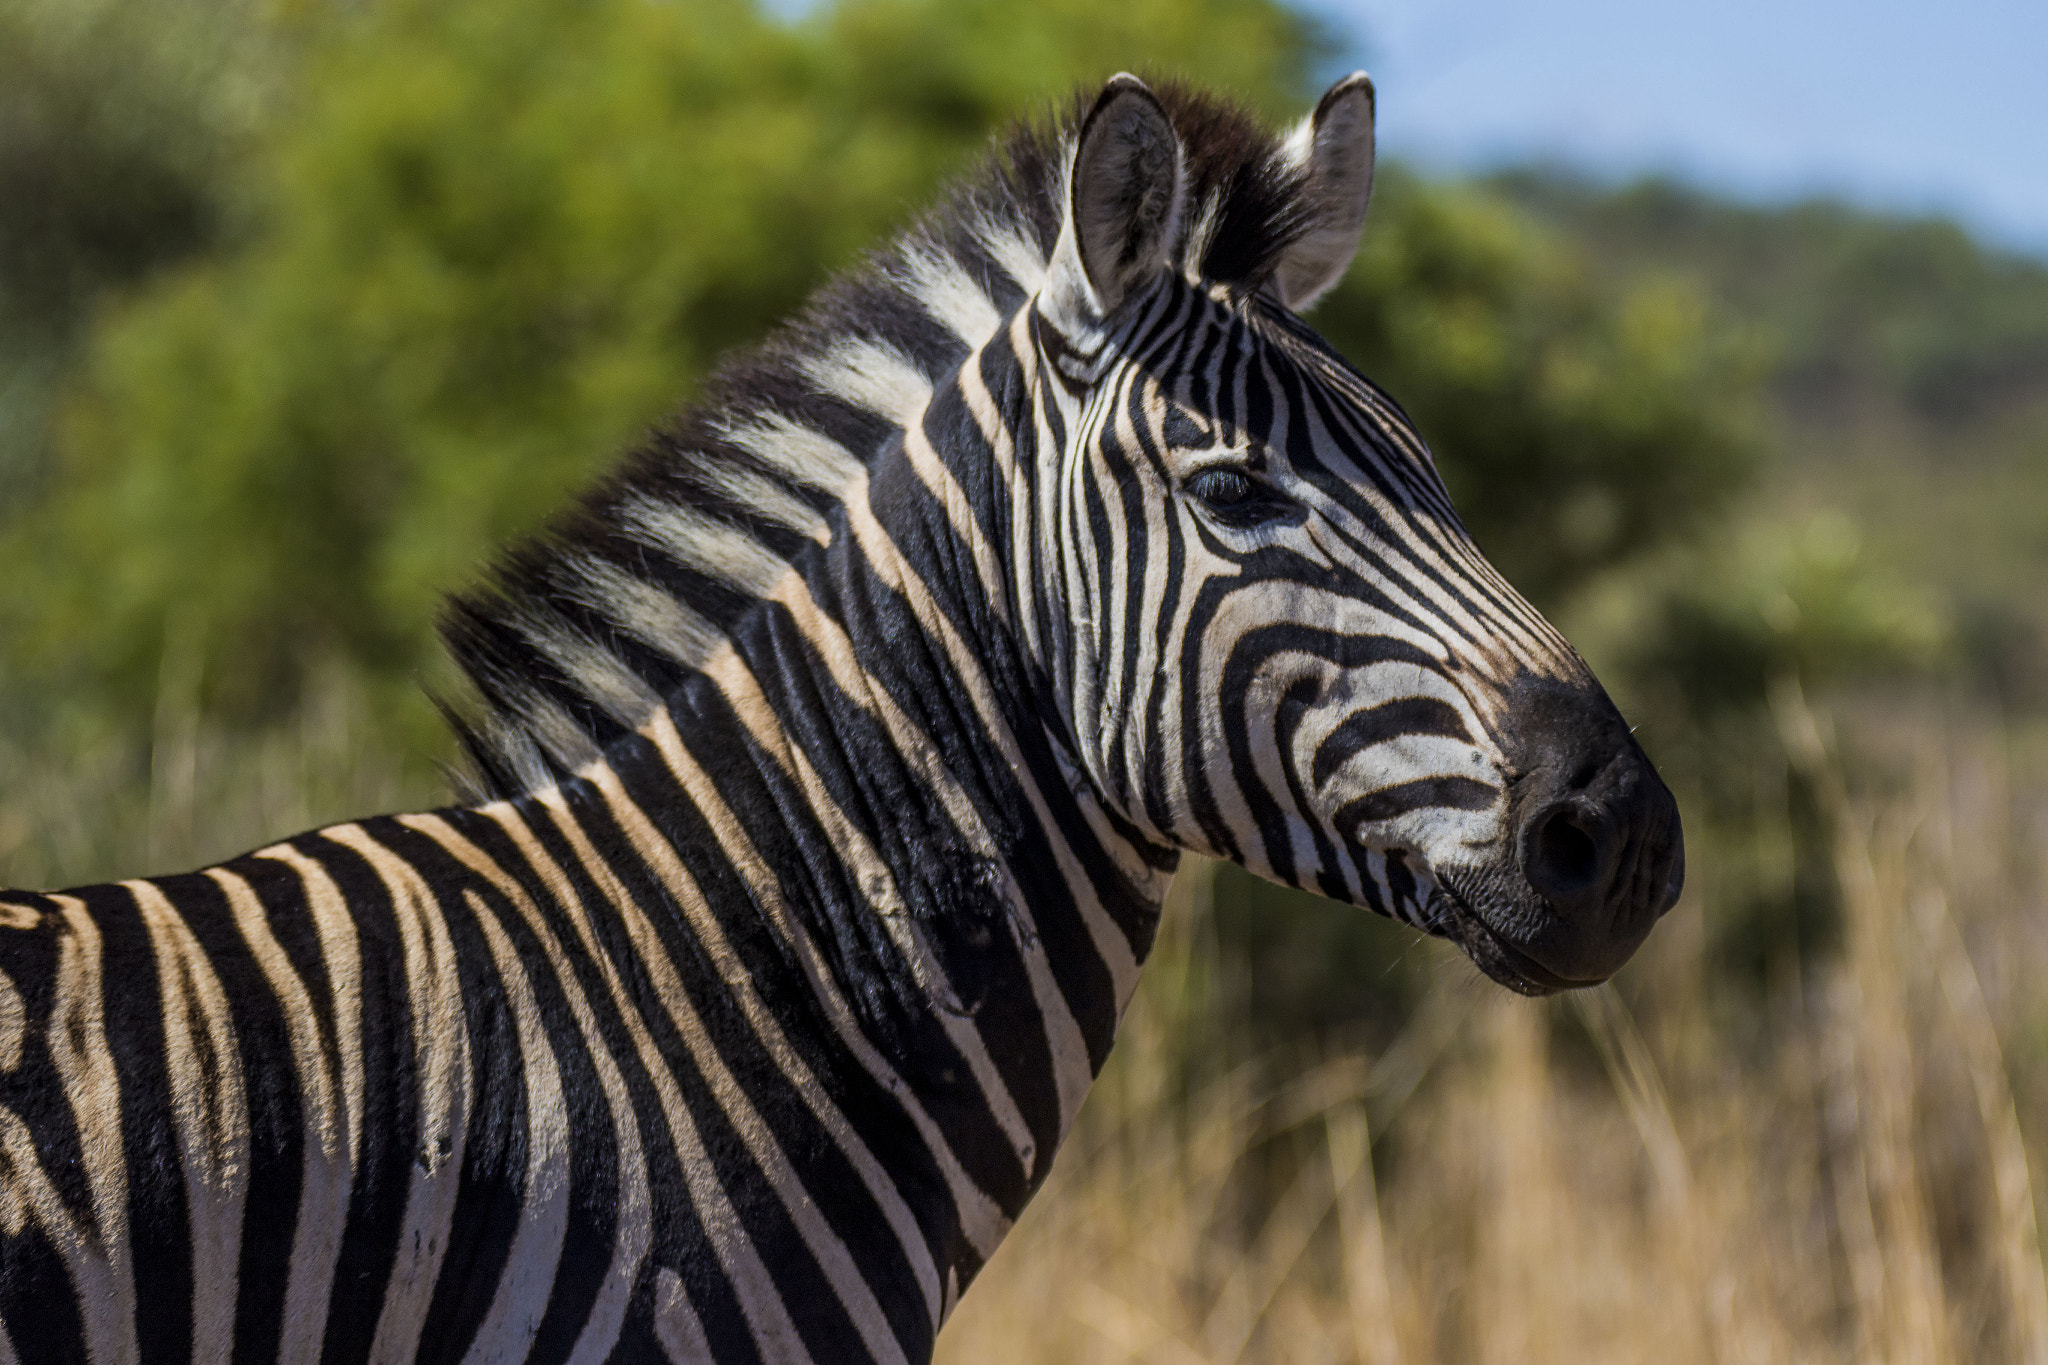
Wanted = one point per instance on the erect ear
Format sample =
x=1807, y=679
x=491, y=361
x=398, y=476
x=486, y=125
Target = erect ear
x=1334, y=145
x=1123, y=205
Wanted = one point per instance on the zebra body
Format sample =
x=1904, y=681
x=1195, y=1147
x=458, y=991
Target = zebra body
x=842, y=749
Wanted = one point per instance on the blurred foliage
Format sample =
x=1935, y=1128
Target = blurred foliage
x=1861, y=306
x=119, y=121
x=1777, y=600
x=1703, y=643
x=1908, y=384
x=100, y=189
x=1310, y=969
x=489, y=245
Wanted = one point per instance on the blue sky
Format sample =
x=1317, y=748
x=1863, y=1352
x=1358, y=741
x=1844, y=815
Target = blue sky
x=1917, y=107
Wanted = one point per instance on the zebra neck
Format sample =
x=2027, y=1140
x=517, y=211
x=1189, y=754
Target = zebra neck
x=902, y=862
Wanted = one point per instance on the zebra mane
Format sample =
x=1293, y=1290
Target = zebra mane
x=580, y=632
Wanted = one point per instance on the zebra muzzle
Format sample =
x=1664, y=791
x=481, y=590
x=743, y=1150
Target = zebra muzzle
x=1593, y=853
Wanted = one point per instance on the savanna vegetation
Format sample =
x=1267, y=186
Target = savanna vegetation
x=306, y=306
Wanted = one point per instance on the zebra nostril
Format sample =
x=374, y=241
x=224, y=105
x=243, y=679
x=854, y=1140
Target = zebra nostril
x=1563, y=855
x=1594, y=850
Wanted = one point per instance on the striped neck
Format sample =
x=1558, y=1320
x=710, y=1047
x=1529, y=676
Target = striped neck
x=870, y=799
x=817, y=628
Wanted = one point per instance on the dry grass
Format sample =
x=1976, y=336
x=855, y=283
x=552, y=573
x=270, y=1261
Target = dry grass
x=193, y=793
x=1552, y=1181
x=1836, y=1169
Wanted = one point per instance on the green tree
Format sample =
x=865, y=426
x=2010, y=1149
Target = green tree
x=488, y=244
x=1891, y=315
x=119, y=123
x=491, y=244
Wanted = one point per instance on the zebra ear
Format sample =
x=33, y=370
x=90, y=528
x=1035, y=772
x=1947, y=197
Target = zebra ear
x=1334, y=146
x=1123, y=205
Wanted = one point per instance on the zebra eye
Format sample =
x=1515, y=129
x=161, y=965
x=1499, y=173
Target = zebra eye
x=1221, y=487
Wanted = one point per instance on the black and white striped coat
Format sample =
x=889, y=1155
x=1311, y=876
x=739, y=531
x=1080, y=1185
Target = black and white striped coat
x=838, y=754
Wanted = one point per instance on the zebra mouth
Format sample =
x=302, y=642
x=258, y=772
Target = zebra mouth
x=1452, y=917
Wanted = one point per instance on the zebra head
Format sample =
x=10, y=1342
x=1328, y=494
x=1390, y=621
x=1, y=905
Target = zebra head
x=1270, y=637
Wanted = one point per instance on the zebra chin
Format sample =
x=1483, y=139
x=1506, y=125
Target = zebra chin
x=1513, y=938
x=1454, y=918
x=1401, y=885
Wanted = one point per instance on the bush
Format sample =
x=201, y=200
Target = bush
x=489, y=245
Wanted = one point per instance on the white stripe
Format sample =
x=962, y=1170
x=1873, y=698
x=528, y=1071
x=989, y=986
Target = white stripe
x=675, y=1323
x=341, y=957
x=649, y=614
x=596, y=672
x=324, y=1172
x=28, y=1196
x=697, y=541
x=946, y=491
x=873, y=375
x=950, y=294
x=805, y=455
x=99, y=1258
x=565, y=740
x=762, y=496
x=1009, y=246
x=441, y=1091
x=13, y=1023
x=209, y=1114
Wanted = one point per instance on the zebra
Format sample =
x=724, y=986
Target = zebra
x=831, y=761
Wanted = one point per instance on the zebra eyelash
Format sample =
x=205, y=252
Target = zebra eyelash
x=1232, y=493
x=1221, y=485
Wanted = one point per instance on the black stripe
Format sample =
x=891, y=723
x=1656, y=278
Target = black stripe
x=1453, y=793
x=390, y=1120
x=1362, y=729
x=159, y=1234
x=275, y=1109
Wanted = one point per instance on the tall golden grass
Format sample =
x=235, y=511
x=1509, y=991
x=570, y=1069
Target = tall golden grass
x=1837, y=1169
x=100, y=805
x=1584, y=1179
